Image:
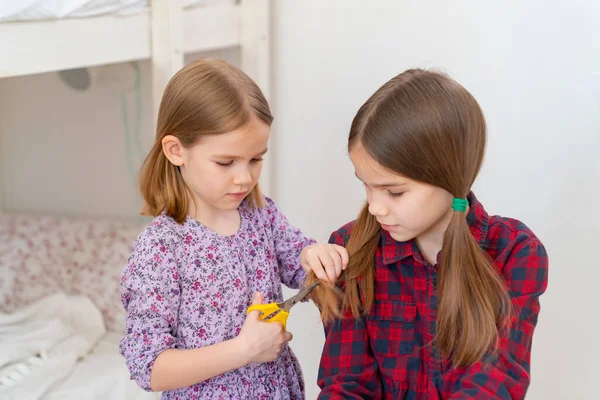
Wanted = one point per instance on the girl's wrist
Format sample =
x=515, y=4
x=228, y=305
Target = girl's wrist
x=241, y=349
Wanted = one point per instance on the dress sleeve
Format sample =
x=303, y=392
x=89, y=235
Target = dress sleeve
x=150, y=293
x=289, y=242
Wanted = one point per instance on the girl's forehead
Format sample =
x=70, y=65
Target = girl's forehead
x=250, y=138
x=365, y=164
x=370, y=171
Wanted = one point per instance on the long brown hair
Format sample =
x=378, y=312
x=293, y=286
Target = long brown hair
x=206, y=97
x=425, y=126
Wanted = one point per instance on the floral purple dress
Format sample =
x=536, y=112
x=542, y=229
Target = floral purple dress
x=186, y=287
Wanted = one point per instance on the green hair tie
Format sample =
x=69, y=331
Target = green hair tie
x=459, y=204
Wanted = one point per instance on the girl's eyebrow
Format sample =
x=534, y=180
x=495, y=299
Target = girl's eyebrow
x=383, y=184
x=231, y=157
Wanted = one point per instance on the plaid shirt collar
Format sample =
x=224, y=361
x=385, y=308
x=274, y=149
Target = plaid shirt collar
x=477, y=218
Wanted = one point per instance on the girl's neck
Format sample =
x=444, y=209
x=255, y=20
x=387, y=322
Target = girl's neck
x=222, y=222
x=431, y=241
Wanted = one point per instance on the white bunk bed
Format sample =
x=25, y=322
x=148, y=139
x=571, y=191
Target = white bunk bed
x=41, y=255
x=163, y=33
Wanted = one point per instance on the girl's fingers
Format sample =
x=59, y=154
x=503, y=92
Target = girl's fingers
x=343, y=254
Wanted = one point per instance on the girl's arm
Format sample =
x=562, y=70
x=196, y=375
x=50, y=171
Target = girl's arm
x=257, y=342
x=175, y=368
x=151, y=295
x=504, y=373
x=348, y=369
x=289, y=243
x=296, y=254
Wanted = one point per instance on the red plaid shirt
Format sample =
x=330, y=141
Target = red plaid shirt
x=386, y=354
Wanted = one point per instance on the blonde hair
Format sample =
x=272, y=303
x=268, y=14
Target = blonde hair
x=427, y=127
x=206, y=97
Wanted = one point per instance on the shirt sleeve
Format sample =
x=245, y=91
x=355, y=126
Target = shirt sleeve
x=289, y=242
x=150, y=294
x=504, y=373
x=348, y=369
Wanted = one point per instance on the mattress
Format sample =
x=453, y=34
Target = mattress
x=32, y=10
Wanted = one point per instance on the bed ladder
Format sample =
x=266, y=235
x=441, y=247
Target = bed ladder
x=168, y=55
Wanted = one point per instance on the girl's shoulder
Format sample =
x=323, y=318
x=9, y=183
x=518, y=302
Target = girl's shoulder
x=342, y=235
x=495, y=233
x=517, y=253
x=162, y=229
x=505, y=234
x=154, y=250
x=265, y=214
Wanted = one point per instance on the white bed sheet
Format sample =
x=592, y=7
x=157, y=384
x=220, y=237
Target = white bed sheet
x=31, y=10
x=58, y=349
x=102, y=375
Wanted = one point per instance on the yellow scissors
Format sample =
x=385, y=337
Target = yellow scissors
x=279, y=312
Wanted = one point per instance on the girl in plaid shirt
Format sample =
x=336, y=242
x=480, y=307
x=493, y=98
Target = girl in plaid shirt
x=440, y=299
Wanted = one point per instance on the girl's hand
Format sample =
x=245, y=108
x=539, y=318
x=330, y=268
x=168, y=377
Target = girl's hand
x=261, y=341
x=326, y=260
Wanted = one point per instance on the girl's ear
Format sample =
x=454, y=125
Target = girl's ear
x=173, y=149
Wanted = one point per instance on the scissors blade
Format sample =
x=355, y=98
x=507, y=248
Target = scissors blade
x=292, y=301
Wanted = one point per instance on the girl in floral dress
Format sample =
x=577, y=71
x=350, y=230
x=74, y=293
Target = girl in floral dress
x=215, y=246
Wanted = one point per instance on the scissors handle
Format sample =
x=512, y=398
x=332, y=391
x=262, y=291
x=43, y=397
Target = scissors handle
x=266, y=311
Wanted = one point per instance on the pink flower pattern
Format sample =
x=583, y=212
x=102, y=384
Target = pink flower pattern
x=41, y=255
x=205, y=282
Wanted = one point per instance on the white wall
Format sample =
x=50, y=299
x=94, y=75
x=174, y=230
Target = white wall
x=535, y=69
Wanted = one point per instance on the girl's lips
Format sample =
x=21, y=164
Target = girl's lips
x=387, y=227
x=239, y=195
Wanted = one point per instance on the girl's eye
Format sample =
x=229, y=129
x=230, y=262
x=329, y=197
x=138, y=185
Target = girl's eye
x=255, y=160
x=224, y=164
x=394, y=194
